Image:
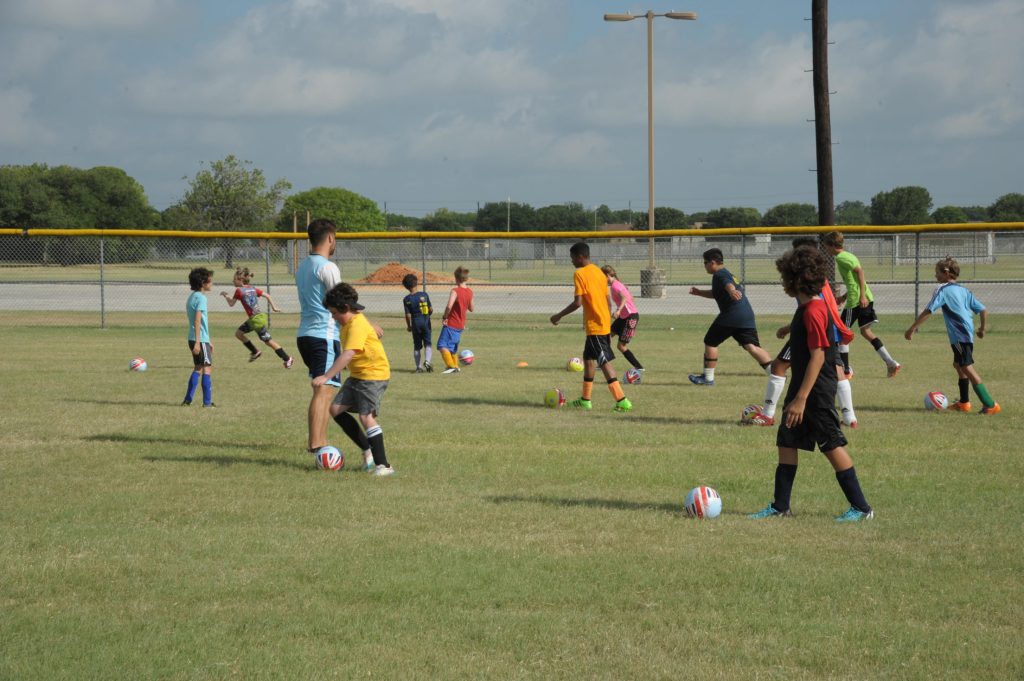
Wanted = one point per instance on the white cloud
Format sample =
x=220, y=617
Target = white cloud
x=102, y=15
x=17, y=124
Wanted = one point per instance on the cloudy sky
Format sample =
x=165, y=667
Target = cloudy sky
x=425, y=104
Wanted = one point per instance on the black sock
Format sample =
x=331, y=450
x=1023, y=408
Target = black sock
x=877, y=343
x=282, y=354
x=845, y=356
x=785, y=473
x=851, y=488
x=964, y=384
x=631, y=358
x=376, y=437
x=249, y=346
x=354, y=431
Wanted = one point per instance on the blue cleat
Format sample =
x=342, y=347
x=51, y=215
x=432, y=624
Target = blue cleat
x=854, y=515
x=770, y=512
x=698, y=379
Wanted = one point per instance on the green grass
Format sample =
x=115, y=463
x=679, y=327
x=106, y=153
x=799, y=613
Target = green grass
x=143, y=540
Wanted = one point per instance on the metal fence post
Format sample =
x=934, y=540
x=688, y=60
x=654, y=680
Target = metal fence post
x=103, y=292
x=917, y=270
x=423, y=261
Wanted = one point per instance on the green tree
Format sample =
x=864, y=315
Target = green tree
x=564, y=217
x=733, y=217
x=230, y=196
x=1007, y=208
x=901, y=206
x=351, y=212
x=402, y=223
x=444, y=220
x=665, y=217
x=948, y=215
x=791, y=215
x=500, y=216
x=852, y=213
x=976, y=213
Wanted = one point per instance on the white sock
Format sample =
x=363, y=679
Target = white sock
x=709, y=374
x=886, y=357
x=844, y=391
x=772, y=393
x=429, y=354
x=416, y=357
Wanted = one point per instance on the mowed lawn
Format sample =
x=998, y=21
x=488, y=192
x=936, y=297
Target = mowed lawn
x=144, y=540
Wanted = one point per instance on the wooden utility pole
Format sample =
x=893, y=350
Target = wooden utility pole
x=822, y=120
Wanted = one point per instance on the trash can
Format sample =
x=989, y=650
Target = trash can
x=652, y=283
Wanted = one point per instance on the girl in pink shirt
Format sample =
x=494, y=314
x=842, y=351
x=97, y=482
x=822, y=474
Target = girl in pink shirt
x=625, y=314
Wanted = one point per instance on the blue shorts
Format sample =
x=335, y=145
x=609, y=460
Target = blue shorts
x=318, y=355
x=449, y=339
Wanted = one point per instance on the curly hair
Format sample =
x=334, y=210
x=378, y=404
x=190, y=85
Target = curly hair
x=803, y=270
x=199, y=276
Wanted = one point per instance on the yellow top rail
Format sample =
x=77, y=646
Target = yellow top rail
x=634, y=234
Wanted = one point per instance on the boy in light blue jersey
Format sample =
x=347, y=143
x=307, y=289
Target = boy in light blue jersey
x=958, y=307
x=200, y=280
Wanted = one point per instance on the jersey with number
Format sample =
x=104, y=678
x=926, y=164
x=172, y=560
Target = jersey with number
x=315, y=277
x=846, y=263
x=417, y=306
x=591, y=285
x=370, y=363
x=249, y=296
x=197, y=303
x=958, y=307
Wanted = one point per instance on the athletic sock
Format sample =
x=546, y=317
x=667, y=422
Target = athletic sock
x=785, y=474
x=986, y=399
x=616, y=389
x=193, y=383
x=851, y=488
x=964, y=385
x=449, y=361
x=416, y=358
x=631, y=358
x=845, y=394
x=844, y=355
x=207, y=382
x=376, y=437
x=588, y=388
x=249, y=346
x=351, y=427
x=879, y=347
x=776, y=384
x=709, y=373
x=429, y=354
x=282, y=354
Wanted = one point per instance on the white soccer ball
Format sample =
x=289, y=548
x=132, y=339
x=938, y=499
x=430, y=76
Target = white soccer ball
x=329, y=458
x=574, y=364
x=137, y=364
x=935, y=401
x=703, y=502
x=466, y=357
x=634, y=376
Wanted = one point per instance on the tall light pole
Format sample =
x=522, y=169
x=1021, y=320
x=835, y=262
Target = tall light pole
x=654, y=277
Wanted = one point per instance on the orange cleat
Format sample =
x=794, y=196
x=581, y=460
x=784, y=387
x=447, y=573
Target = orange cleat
x=960, y=406
x=994, y=409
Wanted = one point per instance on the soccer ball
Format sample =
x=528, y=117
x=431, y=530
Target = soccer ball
x=935, y=401
x=634, y=376
x=329, y=458
x=554, y=398
x=466, y=357
x=137, y=364
x=749, y=412
x=574, y=364
x=703, y=502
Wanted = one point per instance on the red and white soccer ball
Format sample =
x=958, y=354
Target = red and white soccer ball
x=329, y=458
x=935, y=401
x=466, y=357
x=749, y=412
x=703, y=502
x=137, y=364
x=574, y=364
x=634, y=376
x=554, y=398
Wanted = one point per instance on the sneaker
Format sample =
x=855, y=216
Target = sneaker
x=289, y=362
x=428, y=367
x=624, y=405
x=418, y=371
x=994, y=409
x=186, y=403
x=960, y=406
x=211, y=405
x=581, y=403
x=759, y=420
x=770, y=512
x=893, y=370
x=255, y=356
x=381, y=471
x=368, y=462
x=451, y=370
x=854, y=515
x=698, y=379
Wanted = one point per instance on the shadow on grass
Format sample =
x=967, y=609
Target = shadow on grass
x=615, y=504
x=127, y=403
x=477, y=401
x=225, y=461
x=187, y=442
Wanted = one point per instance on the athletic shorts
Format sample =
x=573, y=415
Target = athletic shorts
x=820, y=428
x=864, y=316
x=360, y=396
x=786, y=353
x=625, y=327
x=963, y=354
x=318, y=355
x=421, y=336
x=449, y=339
x=717, y=334
x=599, y=349
x=205, y=356
x=263, y=332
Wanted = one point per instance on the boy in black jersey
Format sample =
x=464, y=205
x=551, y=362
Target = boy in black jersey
x=809, y=416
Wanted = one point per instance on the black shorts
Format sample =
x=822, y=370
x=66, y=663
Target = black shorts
x=318, y=355
x=421, y=336
x=820, y=427
x=864, y=316
x=205, y=356
x=625, y=327
x=263, y=332
x=963, y=354
x=785, y=354
x=717, y=334
x=599, y=349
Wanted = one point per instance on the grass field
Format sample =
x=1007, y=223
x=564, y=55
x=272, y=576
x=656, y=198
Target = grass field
x=144, y=540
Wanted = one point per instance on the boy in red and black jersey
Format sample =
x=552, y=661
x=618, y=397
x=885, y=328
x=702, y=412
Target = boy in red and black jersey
x=809, y=416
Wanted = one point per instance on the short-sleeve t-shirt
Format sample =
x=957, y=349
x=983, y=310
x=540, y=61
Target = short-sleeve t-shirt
x=417, y=306
x=736, y=314
x=958, y=307
x=623, y=298
x=812, y=327
x=846, y=263
x=249, y=296
x=197, y=303
x=315, y=277
x=370, y=363
x=457, y=315
x=591, y=285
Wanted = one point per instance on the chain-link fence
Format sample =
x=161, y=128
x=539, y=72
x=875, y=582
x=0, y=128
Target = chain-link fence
x=109, y=278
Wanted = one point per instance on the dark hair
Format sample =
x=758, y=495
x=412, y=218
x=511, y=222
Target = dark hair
x=580, y=248
x=199, y=276
x=805, y=241
x=343, y=298
x=714, y=255
x=410, y=280
x=803, y=270
x=319, y=229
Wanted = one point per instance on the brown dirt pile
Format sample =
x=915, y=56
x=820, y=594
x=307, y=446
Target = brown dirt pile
x=393, y=272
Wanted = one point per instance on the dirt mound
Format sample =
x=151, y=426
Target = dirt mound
x=393, y=272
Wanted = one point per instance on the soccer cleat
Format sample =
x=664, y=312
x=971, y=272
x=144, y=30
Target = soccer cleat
x=186, y=403
x=255, y=356
x=770, y=512
x=994, y=409
x=581, y=403
x=381, y=471
x=211, y=405
x=893, y=370
x=759, y=420
x=428, y=367
x=854, y=515
x=289, y=362
x=624, y=405
x=698, y=379
x=960, y=406
x=451, y=370
x=368, y=461
x=418, y=371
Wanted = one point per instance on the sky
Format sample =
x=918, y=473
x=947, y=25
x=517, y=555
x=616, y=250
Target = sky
x=428, y=104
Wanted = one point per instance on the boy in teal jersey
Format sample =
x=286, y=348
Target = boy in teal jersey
x=200, y=280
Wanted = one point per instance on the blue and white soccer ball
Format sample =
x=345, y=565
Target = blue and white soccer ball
x=466, y=357
x=137, y=364
x=329, y=458
x=634, y=375
x=703, y=502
